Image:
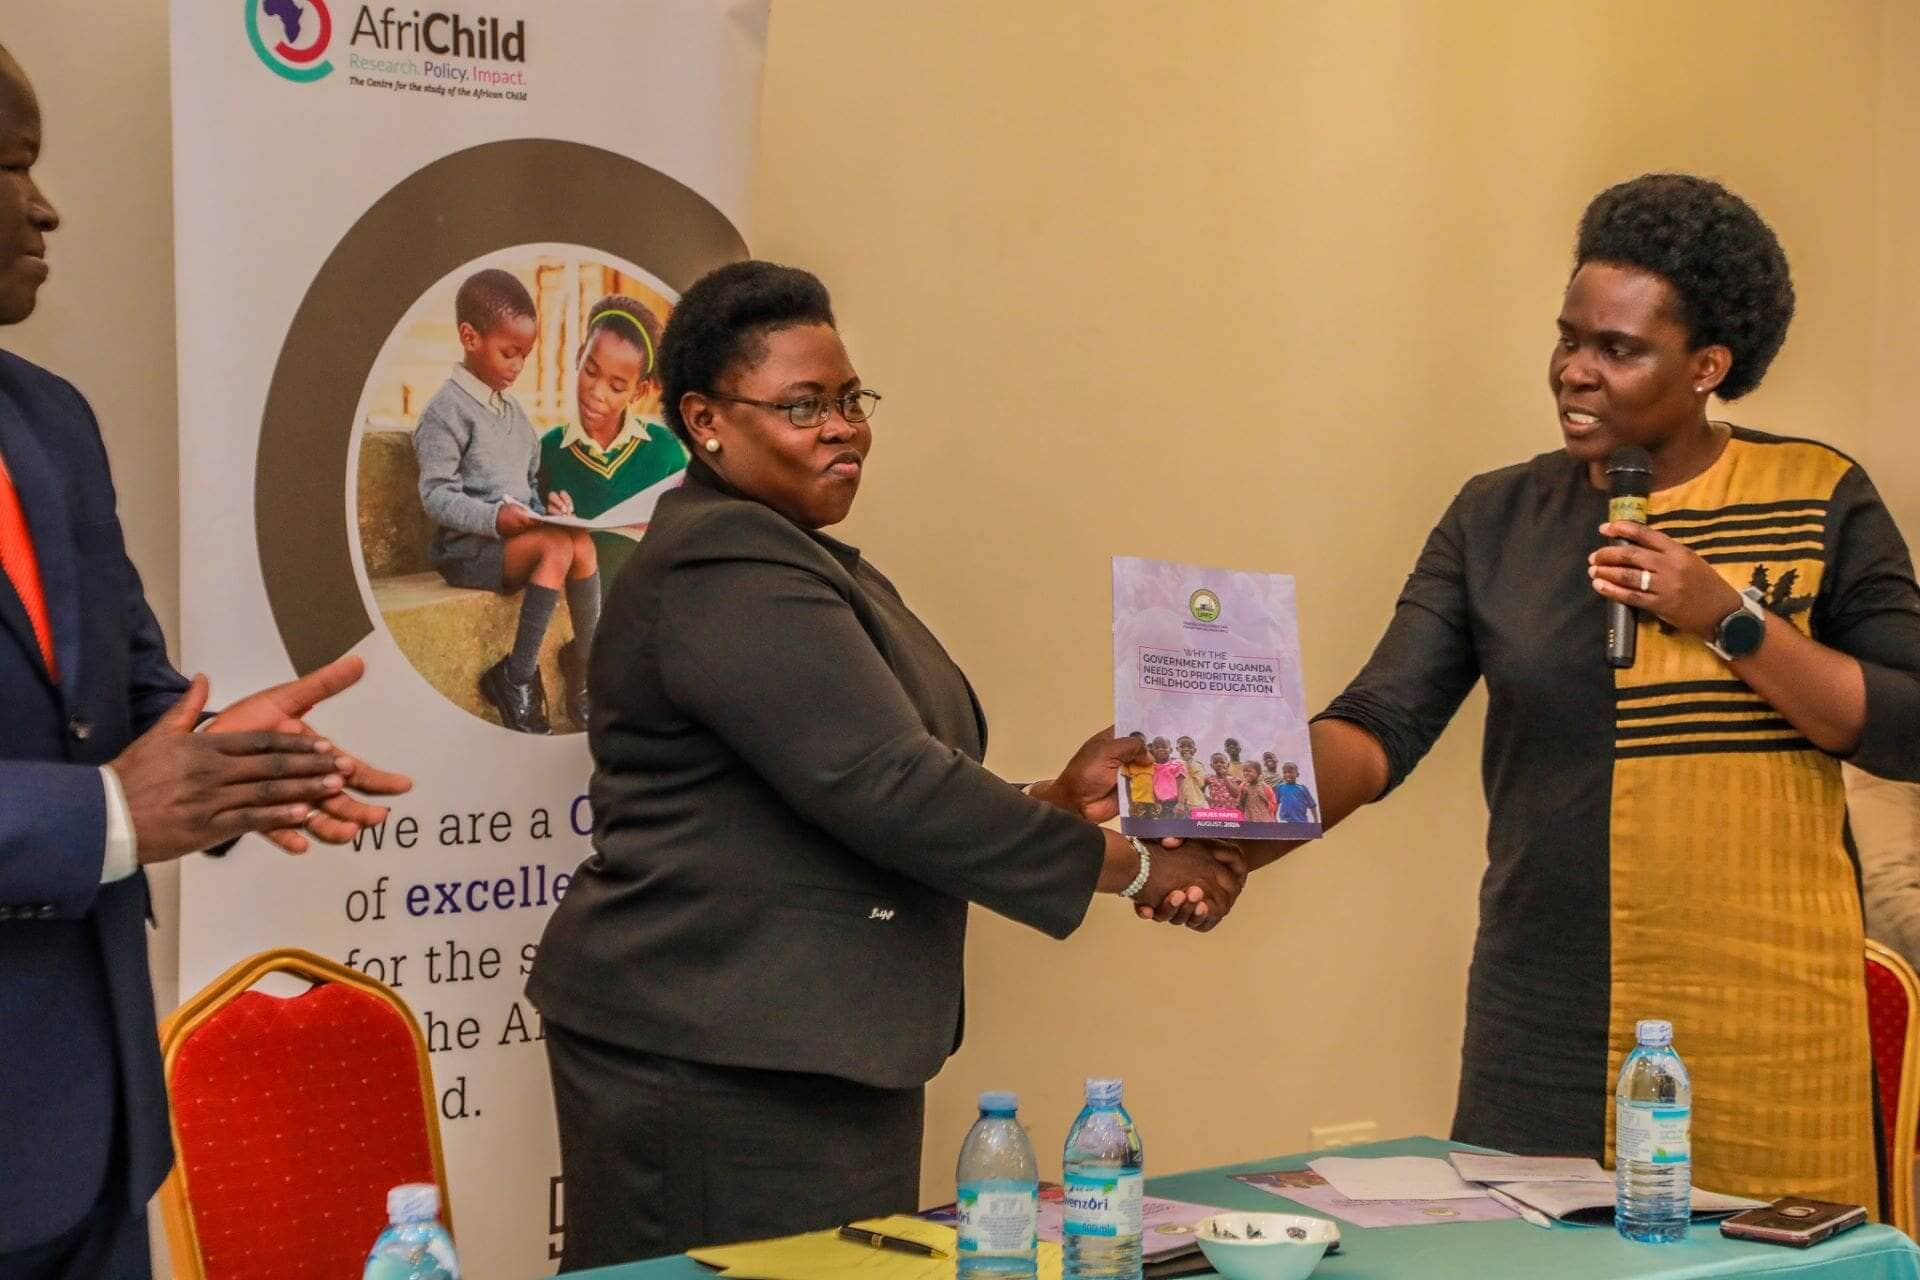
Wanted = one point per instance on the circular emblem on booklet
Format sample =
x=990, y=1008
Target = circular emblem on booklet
x=1204, y=605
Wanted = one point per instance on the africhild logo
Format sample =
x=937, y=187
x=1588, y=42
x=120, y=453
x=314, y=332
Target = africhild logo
x=292, y=36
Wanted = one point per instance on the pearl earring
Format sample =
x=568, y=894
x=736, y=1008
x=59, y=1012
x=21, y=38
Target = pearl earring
x=713, y=446
x=1699, y=391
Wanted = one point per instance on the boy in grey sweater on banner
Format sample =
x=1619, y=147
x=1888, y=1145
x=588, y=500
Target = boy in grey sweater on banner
x=479, y=462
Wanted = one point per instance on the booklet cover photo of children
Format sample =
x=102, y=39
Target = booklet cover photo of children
x=1206, y=672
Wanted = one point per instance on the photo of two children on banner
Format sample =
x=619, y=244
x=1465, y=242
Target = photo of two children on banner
x=487, y=477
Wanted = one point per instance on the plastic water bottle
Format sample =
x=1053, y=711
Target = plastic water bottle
x=999, y=1198
x=1653, y=1153
x=1103, y=1189
x=415, y=1246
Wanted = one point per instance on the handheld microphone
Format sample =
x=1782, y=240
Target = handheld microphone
x=1629, y=482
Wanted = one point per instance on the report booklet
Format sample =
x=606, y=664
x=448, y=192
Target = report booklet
x=1206, y=671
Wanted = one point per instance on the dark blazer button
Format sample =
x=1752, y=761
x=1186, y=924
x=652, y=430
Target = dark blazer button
x=6, y=913
x=45, y=912
x=80, y=729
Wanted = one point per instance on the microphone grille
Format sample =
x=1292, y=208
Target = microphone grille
x=1630, y=474
x=1629, y=457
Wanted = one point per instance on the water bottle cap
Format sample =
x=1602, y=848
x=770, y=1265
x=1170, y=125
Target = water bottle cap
x=999, y=1102
x=1102, y=1092
x=413, y=1202
x=1655, y=1032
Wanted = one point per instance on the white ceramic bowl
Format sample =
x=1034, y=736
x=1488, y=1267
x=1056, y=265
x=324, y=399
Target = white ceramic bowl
x=1265, y=1246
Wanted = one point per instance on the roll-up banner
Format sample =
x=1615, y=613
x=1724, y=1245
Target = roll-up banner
x=398, y=230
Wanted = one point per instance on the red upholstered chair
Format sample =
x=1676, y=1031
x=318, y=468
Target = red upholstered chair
x=1893, y=1017
x=291, y=1119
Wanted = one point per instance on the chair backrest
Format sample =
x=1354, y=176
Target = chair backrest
x=1893, y=1018
x=292, y=1117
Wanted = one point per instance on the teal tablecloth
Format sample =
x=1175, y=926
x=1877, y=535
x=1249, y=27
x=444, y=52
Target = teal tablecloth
x=1510, y=1250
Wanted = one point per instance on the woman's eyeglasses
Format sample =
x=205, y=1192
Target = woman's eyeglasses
x=813, y=411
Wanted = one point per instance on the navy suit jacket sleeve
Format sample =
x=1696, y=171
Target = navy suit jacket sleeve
x=53, y=836
x=153, y=684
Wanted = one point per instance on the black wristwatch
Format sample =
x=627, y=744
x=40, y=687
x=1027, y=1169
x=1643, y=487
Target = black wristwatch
x=1741, y=632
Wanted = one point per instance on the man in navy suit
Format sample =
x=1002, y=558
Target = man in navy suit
x=101, y=772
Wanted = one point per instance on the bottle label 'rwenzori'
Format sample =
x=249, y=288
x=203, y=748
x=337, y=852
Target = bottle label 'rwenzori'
x=1103, y=1204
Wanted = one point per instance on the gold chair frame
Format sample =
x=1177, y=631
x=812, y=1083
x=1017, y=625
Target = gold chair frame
x=1906, y=1116
x=176, y=1194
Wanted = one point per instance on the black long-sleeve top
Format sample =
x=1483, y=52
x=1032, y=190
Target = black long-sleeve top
x=1662, y=843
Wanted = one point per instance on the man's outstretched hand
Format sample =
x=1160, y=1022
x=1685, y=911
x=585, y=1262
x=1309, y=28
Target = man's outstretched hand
x=185, y=790
x=283, y=709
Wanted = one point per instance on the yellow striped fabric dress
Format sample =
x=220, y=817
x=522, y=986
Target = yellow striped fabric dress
x=1662, y=843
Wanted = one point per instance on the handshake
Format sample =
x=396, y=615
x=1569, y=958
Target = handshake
x=1188, y=882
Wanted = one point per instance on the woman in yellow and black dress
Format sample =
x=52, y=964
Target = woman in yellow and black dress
x=1667, y=840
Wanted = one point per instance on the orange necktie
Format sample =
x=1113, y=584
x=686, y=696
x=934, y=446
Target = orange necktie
x=22, y=567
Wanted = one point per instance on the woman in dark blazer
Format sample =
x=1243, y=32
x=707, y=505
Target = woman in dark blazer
x=754, y=975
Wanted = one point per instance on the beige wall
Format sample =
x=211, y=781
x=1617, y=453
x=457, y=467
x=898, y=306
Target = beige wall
x=1263, y=283
x=1250, y=282
x=1896, y=426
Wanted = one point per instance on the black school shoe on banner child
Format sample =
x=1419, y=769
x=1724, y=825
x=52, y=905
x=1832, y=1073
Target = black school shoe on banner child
x=573, y=677
x=522, y=707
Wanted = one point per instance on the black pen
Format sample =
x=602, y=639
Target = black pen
x=899, y=1244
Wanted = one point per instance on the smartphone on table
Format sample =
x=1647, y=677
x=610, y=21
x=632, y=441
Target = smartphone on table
x=1794, y=1221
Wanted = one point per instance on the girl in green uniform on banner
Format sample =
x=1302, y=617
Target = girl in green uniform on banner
x=609, y=453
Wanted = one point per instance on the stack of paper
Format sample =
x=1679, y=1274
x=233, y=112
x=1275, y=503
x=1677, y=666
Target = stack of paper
x=1593, y=1201
x=1501, y=1169
x=1313, y=1193
x=1570, y=1188
x=1394, y=1178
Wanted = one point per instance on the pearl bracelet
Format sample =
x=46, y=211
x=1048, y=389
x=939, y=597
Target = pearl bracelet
x=1146, y=867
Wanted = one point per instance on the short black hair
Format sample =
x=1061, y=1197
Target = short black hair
x=723, y=320
x=632, y=321
x=1721, y=258
x=488, y=297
